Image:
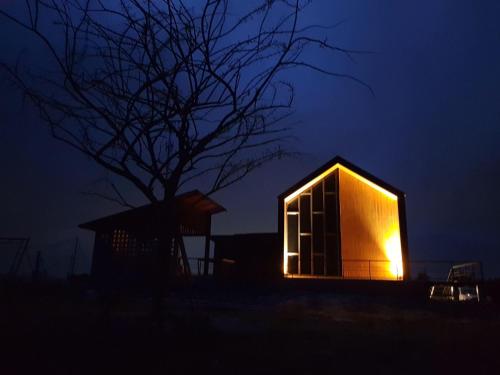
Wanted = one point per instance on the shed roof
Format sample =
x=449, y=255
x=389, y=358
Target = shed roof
x=346, y=164
x=193, y=203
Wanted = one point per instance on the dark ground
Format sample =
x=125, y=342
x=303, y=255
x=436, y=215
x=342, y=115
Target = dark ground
x=53, y=329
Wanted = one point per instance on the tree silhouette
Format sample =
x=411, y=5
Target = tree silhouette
x=160, y=93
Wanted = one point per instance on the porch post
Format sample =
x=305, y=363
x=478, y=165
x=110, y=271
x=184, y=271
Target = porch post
x=207, y=245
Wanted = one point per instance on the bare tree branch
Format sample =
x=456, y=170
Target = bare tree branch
x=162, y=94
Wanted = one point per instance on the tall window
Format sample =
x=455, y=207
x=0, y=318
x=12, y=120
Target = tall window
x=313, y=243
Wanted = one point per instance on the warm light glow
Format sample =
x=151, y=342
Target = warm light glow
x=330, y=170
x=393, y=253
x=392, y=266
x=388, y=194
x=285, y=240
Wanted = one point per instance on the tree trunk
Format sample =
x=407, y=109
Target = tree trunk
x=164, y=226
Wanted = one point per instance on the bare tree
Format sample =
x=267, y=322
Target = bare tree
x=161, y=93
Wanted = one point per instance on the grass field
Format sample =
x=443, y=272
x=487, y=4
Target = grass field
x=58, y=331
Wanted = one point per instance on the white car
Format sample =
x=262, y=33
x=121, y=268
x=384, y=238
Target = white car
x=446, y=292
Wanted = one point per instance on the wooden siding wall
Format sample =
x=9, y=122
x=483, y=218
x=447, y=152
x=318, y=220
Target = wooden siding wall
x=370, y=233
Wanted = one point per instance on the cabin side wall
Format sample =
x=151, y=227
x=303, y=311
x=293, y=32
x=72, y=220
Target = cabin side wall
x=247, y=257
x=369, y=231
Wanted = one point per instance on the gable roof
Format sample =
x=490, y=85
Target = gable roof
x=348, y=165
x=192, y=201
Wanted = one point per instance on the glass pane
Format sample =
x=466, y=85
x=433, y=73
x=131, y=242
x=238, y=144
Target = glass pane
x=330, y=182
x=293, y=264
x=332, y=256
x=305, y=213
x=293, y=206
x=305, y=255
x=317, y=193
x=318, y=233
x=293, y=232
x=319, y=265
x=331, y=213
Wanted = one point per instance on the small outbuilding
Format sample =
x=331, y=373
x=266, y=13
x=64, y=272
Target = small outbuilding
x=342, y=222
x=247, y=257
x=125, y=242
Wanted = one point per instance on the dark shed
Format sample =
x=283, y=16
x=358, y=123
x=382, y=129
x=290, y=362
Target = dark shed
x=247, y=257
x=125, y=242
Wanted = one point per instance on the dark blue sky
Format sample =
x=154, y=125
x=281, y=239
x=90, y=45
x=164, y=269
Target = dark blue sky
x=432, y=129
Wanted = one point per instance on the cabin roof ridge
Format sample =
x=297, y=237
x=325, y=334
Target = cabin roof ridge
x=346, y=164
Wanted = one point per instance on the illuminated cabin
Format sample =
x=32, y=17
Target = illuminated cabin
x=342, y=222
x=125, y=242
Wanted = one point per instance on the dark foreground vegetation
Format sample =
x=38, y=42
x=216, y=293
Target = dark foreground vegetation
x=56, y=329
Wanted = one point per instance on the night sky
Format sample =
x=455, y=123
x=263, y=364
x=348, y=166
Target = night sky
x=432, y=129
